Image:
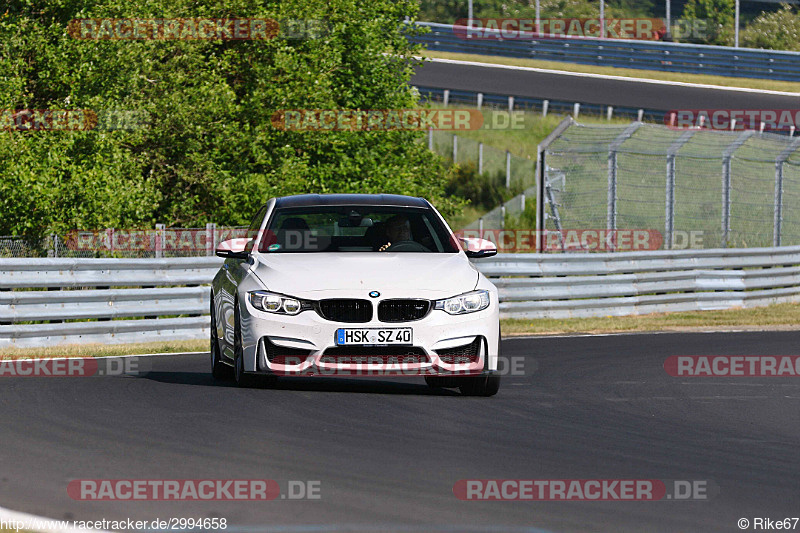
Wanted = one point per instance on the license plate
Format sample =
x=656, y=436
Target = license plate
x=353, y=336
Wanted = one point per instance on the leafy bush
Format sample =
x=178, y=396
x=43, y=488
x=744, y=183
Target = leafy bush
x=778, y=30
x=485, y=191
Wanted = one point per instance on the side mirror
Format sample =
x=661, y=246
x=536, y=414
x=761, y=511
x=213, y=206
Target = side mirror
x=478, y=248
x=233, y=248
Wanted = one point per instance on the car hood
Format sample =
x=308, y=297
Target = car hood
x=424, y=275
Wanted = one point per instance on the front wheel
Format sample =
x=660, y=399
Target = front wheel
x=219, y=370
x=241, y=378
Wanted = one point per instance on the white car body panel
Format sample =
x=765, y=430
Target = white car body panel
x=318, y=276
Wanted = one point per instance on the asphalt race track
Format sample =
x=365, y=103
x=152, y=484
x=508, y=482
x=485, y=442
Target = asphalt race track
x=387, y=453
x=589, y=90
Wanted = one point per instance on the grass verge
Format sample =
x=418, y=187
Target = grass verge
x=706, y=79
x=777, y=317
x=105, y=350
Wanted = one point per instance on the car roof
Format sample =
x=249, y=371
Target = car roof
x=305, y=200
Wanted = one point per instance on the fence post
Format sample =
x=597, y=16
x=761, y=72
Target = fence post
x=541, y=178
x=503, y=215
x=545, y=105
x=430, y=139
x=446, y=97
x=480, y=100
x=778, y=207
x=455, y=148
x=609, y=112
x=778, y=214
x=510, y=104
x=727, y=155
x=669, y=209
x=611, y=218
x=211, y=238
x=480, y=158
x=576, y=109
x=508, y=169
x=161, y=235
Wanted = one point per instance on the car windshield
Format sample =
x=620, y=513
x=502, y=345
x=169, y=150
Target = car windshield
x=356, y=228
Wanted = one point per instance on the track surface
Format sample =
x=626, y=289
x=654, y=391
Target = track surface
x=387, y=453
x=592, y=90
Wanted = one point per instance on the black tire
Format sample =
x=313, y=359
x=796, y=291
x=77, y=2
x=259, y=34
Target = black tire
x=434, y=382
x=219, y=370
x=480, y=385
x=242, y=378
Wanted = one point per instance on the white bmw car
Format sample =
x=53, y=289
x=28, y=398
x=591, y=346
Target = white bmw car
x=355, y=284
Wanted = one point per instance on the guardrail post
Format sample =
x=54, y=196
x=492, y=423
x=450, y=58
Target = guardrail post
x=576, y=109
x=455, y=148
x=669, y=209
x=480, y=158
x=161, y=237
x=640, y=115
x=480, y=100
x=510, y=104
x=727, y=155
x=778, y=207
x=446, y=97
x=508, y=169
x=609, y=112
x=545, y=105
x=211, y=238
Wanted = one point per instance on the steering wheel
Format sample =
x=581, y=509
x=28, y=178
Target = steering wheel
x=406, y=246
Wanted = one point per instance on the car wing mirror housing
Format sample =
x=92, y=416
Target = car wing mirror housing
x=478, y=248
x=233, y=248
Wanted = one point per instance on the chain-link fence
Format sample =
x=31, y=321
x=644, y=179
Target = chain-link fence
x=147, y=243
x=519, y=172
x=696, y=187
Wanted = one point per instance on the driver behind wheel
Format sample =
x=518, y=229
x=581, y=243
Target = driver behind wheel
x=398, y=229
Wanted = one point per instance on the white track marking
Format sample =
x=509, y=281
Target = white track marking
x=609, y=77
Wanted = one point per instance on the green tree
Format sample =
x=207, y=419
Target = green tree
x=718, y=16
x=210, y=152
x=777, y=30
x=448, y=11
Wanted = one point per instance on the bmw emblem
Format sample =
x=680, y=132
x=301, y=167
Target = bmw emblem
x=374, y=294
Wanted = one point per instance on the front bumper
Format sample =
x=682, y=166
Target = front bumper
x=307, y=344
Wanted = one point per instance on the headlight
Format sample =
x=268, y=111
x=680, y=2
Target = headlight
x=278, y=303
x=469, y=302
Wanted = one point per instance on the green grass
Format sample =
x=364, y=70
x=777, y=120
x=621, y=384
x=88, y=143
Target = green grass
x=520, y=142
x=779, y=316
x=752, y=83
x=105, y=350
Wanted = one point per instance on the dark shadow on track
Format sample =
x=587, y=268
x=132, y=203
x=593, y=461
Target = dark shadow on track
x=312, y=384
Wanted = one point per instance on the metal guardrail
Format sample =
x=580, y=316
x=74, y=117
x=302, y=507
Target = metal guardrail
x=634, y=283
x=104, y=300
x=531, y=286
x=669, y=57
x=542, y=105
